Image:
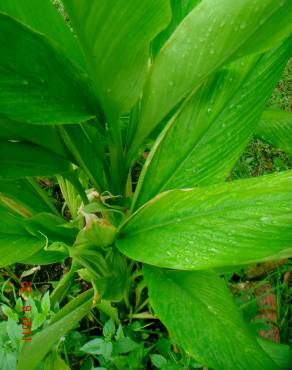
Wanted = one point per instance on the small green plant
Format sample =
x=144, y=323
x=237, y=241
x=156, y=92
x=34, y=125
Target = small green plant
x=79, y=103
x=11, y=330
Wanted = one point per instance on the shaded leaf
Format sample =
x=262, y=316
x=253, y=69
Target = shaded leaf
x=44, y=18
x=38, y=84
x=18, y=160
x=275, y=127
x=124, y=345
x=45, y=136
x=86, y=145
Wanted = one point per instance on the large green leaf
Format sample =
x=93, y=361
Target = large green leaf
x=44, y=18
x=38, y=84
x=115, y=35
x=201, y=316
x=34, y=351
x=275, y=127
x=229, y=224
x=19, y=160
x=16, y=243
x=215, y=32
x=201, y=145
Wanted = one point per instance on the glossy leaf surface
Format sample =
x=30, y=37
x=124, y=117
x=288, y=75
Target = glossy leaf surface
x=43, y=17
x=214, y=33
x=201, y=316
x=201, y=145
x=230, y=224
x=38, y=84
x=116, y=36
x=180, y=9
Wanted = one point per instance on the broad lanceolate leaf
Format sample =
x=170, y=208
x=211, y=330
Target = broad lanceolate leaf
x=43, y=17
x=18, y=160
x=66, y=319
x=230, y=224
x=115, y=35
x=201, y=144
x=38, y=84
x=275, y=127
x=199, y=312
x=214, y=33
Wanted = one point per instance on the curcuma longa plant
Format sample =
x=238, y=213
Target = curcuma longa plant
x=81, y=99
